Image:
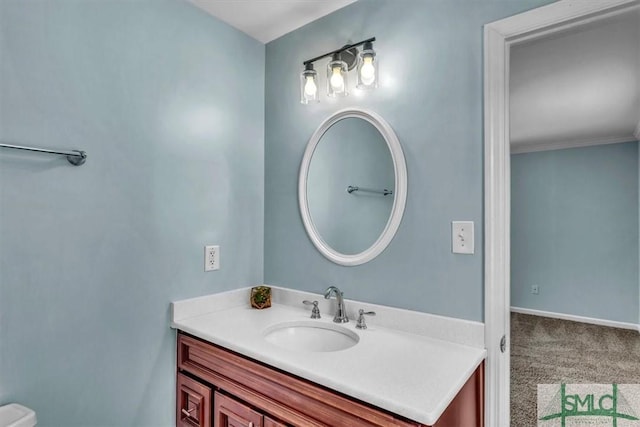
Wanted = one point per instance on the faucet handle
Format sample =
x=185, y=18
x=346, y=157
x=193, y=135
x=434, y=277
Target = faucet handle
x=362, y=324
x=315, y=311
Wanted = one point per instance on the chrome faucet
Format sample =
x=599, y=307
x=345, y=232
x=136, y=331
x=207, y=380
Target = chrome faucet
x=341, y=312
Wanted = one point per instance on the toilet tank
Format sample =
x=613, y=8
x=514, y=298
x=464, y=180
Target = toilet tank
x=14, y=415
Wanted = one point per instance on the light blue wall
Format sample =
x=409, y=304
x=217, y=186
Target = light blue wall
x=430, y=55
x=168, y=103
x=574, y=231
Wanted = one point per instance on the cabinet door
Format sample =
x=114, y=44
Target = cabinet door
x=268, y=422
x=193, y=403
x=228, y=412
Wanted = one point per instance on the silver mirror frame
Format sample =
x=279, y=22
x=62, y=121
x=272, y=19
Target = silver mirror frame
x=399, y=196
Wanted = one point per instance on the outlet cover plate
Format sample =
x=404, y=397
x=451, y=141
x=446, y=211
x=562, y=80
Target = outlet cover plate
x=211, y=258
x=462, y=237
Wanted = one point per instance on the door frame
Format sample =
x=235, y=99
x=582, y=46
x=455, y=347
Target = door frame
x=499, y=36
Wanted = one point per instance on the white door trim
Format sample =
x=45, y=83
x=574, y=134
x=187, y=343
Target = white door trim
x=498, y=38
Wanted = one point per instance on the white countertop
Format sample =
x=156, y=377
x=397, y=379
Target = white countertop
x=412, y=375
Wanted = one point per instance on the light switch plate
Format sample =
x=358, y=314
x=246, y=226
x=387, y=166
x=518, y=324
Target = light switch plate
x=462, y=237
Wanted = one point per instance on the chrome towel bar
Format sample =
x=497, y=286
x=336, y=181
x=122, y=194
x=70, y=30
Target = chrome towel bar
x=352, y=188
x=75, y=157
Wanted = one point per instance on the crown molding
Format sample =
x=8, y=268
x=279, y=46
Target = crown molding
x=531, y=147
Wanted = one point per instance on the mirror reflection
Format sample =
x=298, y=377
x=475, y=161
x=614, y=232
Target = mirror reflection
x=350, y=185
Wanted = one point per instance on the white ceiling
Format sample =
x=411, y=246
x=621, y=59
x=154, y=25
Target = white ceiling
x=266, y=20
x=577, y=88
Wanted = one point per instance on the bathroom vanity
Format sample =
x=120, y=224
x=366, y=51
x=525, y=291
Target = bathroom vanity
x=237, y=366
x=215, y=384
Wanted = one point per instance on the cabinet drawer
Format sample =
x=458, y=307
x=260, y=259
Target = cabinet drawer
x=193, y=403
x=228, y=412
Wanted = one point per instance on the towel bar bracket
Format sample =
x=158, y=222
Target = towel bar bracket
x=77, y=159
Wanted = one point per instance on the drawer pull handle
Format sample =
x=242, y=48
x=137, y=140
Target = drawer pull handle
x=250, y=423
x=187, y=413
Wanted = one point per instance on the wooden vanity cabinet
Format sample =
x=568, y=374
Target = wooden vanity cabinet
x=247, y=393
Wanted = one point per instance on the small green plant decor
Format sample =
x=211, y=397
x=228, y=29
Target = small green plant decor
x=261, y=297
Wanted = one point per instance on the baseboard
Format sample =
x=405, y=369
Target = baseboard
x=574, y=318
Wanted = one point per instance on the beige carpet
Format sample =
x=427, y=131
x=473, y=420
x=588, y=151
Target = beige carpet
x=551, y=351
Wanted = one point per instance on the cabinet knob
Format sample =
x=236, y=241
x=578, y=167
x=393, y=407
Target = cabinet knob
x=187, y=413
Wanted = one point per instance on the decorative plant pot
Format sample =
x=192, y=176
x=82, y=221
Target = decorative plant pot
x=261, y=297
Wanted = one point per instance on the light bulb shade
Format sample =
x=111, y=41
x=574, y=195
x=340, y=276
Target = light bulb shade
x=367, y=68
x=337, y=77
x=309, y=85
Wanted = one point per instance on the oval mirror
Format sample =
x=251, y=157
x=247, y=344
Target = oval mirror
x=353, y=186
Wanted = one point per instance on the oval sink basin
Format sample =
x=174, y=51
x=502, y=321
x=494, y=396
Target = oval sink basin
x=311, y=336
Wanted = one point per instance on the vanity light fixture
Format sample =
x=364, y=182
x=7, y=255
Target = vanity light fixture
x=342, y=61
x=309, y=85
x=337, y=77
x=367, y=68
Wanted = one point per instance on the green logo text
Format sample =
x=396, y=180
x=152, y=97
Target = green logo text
x=590, y=405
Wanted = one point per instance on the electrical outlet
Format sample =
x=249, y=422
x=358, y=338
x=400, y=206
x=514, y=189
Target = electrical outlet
x=534, y=289
x=211, y=258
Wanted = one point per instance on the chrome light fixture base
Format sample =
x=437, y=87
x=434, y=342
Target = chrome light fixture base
x=350, y=57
